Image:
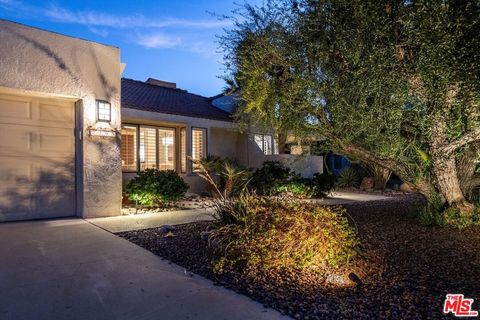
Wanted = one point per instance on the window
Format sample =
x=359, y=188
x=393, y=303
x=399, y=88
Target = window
x=104, y=111
x=266, y=143
x=129, y=148
x=154, y=148
x=183, y=150
x=199, y=147
x=148, y=148
x=166, y=149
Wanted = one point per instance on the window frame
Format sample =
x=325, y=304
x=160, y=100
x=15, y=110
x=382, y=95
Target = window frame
x=98, y=101
x=273, y=149
x=137, y=147
x=205, y=145
x=157, y=145
x=182, y=145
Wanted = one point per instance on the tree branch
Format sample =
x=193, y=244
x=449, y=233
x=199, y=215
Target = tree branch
x=470, y=137
x=423, y=186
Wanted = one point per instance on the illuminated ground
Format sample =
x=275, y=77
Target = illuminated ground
x=406, y=269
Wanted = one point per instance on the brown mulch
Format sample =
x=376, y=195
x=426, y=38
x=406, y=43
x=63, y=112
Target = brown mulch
x=406, y=269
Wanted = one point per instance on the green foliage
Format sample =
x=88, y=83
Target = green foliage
x=258, y=233
x=154, y=187
x=395, y=81
x=225, y=177
x=272, y=175
x=322, y=184
x=434, y=212
x=431, y=212
x=297, y=188
x=348, y=178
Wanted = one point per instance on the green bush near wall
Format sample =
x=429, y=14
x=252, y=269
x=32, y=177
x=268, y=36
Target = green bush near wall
x=153, y=187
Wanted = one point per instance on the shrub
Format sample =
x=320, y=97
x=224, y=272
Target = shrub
x=271, y=175
x=224, y=176
x=435, y=213
x=348, y=178
x=322, y=184
x=258, y=233
x=300, y=188
x=154, y=187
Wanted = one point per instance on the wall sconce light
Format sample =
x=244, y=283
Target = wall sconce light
x=104, y=111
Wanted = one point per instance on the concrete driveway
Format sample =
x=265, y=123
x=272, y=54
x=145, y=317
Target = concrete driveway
x=71, y=269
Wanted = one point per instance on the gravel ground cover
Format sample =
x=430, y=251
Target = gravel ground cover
x=404, y=269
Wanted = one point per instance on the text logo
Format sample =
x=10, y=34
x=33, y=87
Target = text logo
x=459, y=306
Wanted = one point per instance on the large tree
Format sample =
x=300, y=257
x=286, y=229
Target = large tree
x=395, y=83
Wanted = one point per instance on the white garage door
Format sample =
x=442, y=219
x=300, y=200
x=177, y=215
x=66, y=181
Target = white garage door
x=37, y=158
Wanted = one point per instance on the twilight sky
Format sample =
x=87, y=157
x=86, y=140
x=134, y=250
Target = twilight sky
x=168, y=40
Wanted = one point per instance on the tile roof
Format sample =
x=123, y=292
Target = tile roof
x=148, y=97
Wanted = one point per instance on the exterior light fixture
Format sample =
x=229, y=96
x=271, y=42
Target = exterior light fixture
x=104, y=111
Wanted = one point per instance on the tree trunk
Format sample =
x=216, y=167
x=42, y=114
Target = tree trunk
x=445, y=171
x=282, y=142
x=445, y=167
x=466, y=166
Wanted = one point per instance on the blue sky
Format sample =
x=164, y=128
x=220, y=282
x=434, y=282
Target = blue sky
x=168, y=40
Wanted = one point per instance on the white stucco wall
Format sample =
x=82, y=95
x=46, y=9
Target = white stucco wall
x=46, y=63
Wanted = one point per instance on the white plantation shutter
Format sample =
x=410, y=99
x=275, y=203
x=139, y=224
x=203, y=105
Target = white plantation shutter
x=183, y=150
x=166, y=149
x=148, y=148
x=129, y=148
x=198, y=144
x=265, y=143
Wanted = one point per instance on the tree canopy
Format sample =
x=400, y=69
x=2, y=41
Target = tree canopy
x=394, y=83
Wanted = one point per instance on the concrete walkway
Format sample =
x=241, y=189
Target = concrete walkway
x=339, y=198
x=150, y=220
x=145, y=221
x=70, y=269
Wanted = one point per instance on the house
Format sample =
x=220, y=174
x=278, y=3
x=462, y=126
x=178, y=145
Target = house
x=59, y=124
x=71, y=129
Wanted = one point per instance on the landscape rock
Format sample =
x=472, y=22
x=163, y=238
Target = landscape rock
x=165, y=229
x=368, y=183
x=405, y=187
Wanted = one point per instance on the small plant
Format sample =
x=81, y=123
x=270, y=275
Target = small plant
x=322, y=184
x=348, y=178
x=296, y=188
x=259, y=233
x=224, y=176
x=434, y=213
x=154, y=187
x=269, y=177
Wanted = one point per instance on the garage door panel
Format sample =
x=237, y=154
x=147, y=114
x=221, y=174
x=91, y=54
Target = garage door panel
x=60, y=172
x=57, y=141
x=16, y=199
x=37, y=158
x=15, y=109
x=14, y=170
x=16, y=140
x=54, y=201
x=57, y=113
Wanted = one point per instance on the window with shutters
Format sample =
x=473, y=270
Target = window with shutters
x=266, y=143
x=148, y=148
x=166, y=149
x=183, y=150
x=129, y=148
x=145, y=147
x=199, y=144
